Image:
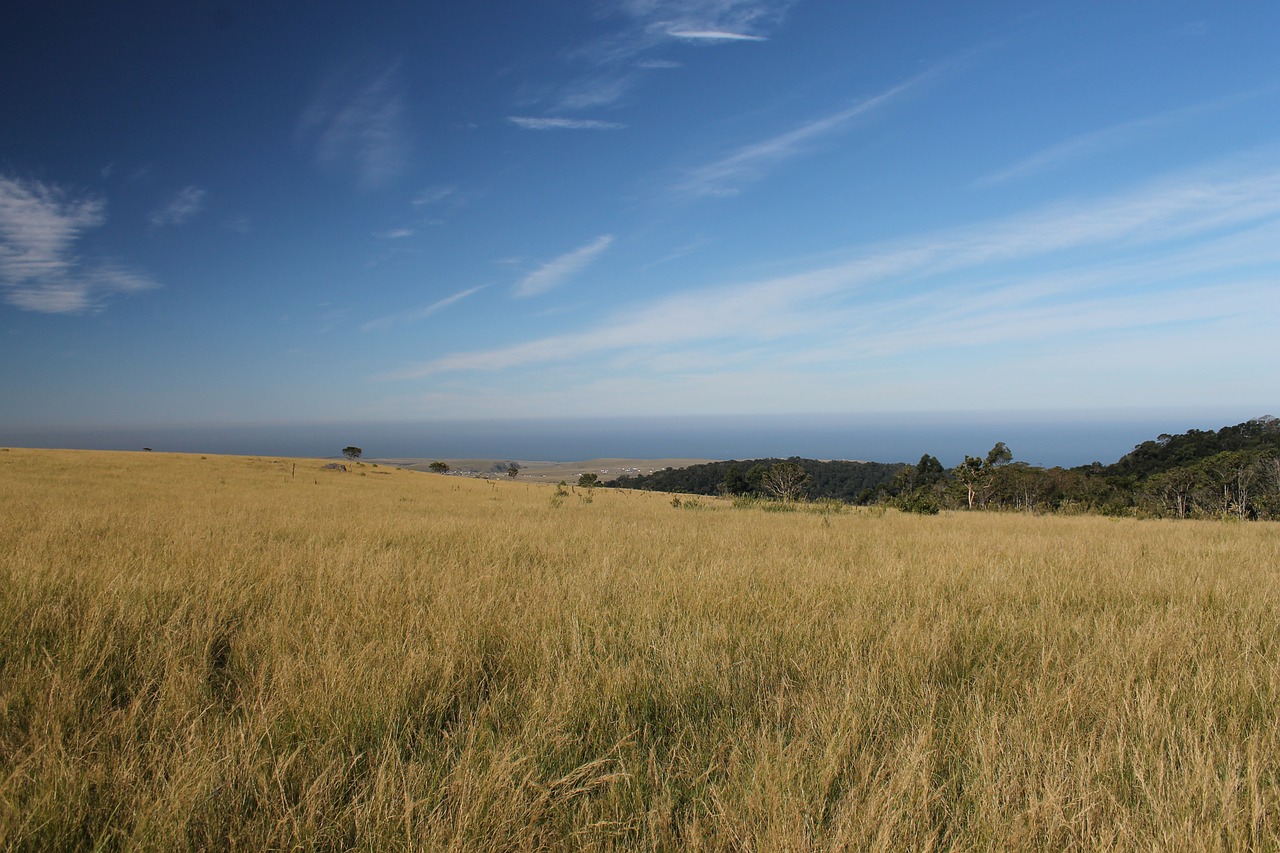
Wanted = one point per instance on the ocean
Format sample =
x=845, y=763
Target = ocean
x=1041, y=438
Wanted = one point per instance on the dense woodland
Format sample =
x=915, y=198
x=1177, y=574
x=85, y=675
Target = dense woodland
x=1233, y=472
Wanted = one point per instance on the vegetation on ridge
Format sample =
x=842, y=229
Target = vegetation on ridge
x=1232, y=472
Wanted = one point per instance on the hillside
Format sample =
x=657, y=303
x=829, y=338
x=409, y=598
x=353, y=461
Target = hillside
x=1260, y=437
x=851, y=482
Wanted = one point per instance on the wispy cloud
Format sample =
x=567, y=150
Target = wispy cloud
x=182, y=208
x=727, y=175
x=715, y=20
x=621, y=58
x=394, y=234
x=529, y=123
x=357, y=121
x=554, y=273
x=433, y=195
x=238, y=224
x=949, y=289
x=420, y=313
x=39, y=269
x=1106, y=139
x=713, y=35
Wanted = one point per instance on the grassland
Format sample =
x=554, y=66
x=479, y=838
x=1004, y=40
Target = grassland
x=229, y=653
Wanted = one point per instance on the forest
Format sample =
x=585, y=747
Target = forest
x=1233, y=472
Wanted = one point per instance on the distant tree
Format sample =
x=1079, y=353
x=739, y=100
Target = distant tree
x=999, y=455
x=513, y=470
x=969, y=473
x=785, y=480
x=929, y=471
x=589, y=480
x=755, y=477
x=352, y=452
x=976, y=474
x=1173, y=490
x=439, y=467
x=734, y=483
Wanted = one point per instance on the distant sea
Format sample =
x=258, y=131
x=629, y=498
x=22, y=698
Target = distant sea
x=1047, y=439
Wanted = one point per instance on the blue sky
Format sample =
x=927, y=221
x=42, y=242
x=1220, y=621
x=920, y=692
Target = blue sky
x=306, y=213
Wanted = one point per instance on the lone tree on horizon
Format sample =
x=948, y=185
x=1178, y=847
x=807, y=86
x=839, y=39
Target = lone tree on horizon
x=513, y=470
x=439, y=467
x=352, y=452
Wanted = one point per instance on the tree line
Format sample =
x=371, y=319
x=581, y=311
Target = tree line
x=1231, y=472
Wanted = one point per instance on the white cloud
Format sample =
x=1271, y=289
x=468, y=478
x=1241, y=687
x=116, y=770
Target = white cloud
x=420, y=313
x=39, y=269
x=1098, y=141
x=709, y=19
x=394, y=234
x=357, y=121
x=182, y=208
x=1213, y=230
x=726, y=175
x=554, y=273
x=598, y=91
x=620, y=57
x=529, y=123
x=433, y=195
x=713, y=35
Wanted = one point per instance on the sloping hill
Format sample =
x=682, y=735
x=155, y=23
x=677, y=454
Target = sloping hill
x=852, y=482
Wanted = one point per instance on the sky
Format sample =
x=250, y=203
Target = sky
x=310, y=213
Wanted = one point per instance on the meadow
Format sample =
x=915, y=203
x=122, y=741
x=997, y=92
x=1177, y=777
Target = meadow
x=228, y=653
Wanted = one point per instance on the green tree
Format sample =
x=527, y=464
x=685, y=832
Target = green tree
x=352, y=452
x=929, y=471
x=734, y=483
x=999, y=455
x=976, y=474
x=513, y=470
x=1173, y=490
x=785, y=480
x=970, y=474
x=589, y=480
x=439, y=467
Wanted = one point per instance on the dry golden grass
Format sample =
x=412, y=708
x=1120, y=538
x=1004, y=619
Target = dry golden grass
x=216, y=654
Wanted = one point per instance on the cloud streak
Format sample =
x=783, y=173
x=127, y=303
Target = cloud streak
x=1100, y=141
x=941, y=290
x=713, y=35
x=358, y=122
x=530, y=123
x=555, y=273
x=433, y=195
x=420, y=313
x=182, y=208
x=727, y=175
x=622, y=58
x=39, y=269
x=712, y=20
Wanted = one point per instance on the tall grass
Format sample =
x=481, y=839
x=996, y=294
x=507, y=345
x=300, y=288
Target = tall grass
x=216, y=654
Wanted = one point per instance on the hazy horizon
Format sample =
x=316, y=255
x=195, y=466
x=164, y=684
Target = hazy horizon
x=1046, y=439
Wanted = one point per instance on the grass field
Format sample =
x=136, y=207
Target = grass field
x=231, y=653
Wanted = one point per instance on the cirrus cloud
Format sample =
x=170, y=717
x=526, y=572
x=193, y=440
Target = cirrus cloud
x=554, y=273
x=182, y=208
x=530, y=123
x=39, y=268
